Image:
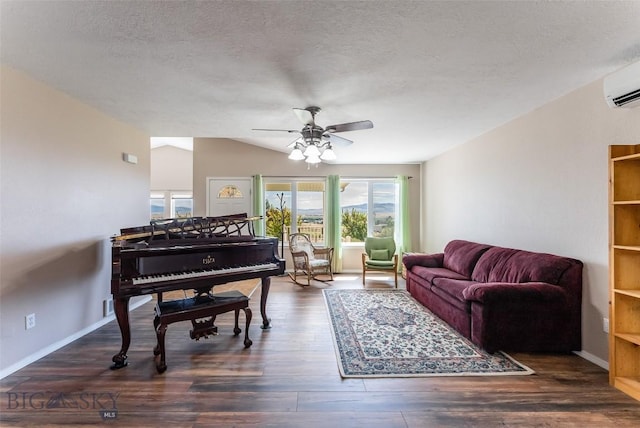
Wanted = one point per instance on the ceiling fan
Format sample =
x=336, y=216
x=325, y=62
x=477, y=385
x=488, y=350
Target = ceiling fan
x=315, y=142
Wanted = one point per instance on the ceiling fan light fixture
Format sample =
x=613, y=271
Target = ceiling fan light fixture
x=296, y=154
x=328, y=154
x=313, y=159
x=312, y=150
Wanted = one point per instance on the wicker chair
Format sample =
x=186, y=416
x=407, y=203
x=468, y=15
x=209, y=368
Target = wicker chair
x=309, y=260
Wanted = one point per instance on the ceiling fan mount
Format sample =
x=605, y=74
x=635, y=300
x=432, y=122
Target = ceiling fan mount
x=313, y=110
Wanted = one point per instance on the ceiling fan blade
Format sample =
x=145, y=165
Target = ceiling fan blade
x=304, y=115
x=351, y=126
x=339, y=141
x=280, y=130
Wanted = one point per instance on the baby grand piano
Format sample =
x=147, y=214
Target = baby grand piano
x=195, y=253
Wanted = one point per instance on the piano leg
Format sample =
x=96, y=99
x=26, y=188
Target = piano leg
x=121, y=309
x=266, y=284
x=161, y=364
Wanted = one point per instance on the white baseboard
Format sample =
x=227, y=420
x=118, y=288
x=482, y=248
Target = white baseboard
x=592, y=358
x=59, y=344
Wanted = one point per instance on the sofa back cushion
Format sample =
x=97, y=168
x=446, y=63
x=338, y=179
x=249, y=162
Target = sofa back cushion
x=509, y=265
x=462, y=256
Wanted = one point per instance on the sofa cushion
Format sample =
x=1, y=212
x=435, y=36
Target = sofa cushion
x=451, y=290
x=508, y=265
x=461, y=256
x=429, y=273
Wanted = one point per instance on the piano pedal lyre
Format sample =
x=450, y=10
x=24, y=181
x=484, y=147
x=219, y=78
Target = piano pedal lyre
x=203, y=328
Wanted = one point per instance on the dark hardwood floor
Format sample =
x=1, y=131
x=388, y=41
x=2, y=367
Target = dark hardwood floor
x=289, y=378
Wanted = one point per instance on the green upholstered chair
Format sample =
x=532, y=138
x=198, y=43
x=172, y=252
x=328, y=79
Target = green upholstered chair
x=380, y=255
x=309, y=260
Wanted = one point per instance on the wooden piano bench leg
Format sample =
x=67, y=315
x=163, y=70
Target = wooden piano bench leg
x=248, y=316
x=236, y=328
x=156, y=322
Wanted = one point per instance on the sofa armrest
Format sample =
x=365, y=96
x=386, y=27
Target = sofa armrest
x=506, y=293
x=426, y=260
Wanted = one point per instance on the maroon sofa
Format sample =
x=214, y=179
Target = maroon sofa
x=501, y=298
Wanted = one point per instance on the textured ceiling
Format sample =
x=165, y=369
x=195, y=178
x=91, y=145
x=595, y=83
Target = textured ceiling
x=429, y=75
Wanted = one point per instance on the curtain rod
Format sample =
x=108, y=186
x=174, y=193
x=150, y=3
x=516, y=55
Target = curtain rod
x=368, y=177
x=371, y=176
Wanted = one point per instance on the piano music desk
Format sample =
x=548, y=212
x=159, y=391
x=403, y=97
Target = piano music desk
x=197, y=310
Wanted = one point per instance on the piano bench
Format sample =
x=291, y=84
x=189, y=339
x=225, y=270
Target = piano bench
x=202, y=314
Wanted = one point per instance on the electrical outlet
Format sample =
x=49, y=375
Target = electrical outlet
x=29, y=321
x=107, y=307
x=605, y=325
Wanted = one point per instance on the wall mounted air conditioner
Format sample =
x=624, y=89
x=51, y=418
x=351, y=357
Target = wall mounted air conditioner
x=622, y=88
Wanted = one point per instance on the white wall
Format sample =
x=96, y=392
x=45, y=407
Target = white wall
x=538, y=183
x=65, y=191
x=171, y=169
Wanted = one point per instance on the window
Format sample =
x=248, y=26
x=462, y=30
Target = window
x=157, y=206
x=181, y=206
x=303, y=201
x=170, y=205
x=368, y=208
x=229, y=192
x=310, y=210
x=277, y=199
x=354, y=205
x=384, y=208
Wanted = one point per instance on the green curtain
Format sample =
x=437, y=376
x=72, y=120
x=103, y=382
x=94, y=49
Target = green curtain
x=403, y=232
x=258, y=204
x=334, y=237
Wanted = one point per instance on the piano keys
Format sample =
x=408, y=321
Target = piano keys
x=187, y=254
x=193, y=274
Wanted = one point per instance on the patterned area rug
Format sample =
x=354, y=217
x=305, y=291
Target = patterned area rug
x=387, y=333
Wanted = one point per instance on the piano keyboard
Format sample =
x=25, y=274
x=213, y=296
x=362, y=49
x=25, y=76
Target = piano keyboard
x=201, y=273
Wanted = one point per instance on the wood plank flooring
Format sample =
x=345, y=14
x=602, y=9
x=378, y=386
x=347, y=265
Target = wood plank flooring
x=290, y=378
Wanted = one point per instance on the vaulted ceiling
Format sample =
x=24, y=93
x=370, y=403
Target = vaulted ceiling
x=429, y=74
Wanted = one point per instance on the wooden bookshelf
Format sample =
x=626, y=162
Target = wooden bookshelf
x=624, y=268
